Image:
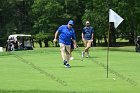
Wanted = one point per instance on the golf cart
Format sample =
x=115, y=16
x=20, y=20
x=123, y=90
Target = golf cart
x=137, y=43
x=19, y=42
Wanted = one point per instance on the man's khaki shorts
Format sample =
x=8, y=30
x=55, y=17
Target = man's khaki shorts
x=65, y=48
x=87, y=42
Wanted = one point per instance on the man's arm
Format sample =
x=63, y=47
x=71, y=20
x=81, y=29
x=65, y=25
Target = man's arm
x=83, y=36
x=92, y=36
x=55, y=36
x=74, y=43
x=74, y=40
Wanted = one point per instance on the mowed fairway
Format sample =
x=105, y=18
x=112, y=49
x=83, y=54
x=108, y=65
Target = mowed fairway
x=42, y=71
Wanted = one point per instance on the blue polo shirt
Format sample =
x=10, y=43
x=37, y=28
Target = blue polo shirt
x=88, y=31
x=66, y=34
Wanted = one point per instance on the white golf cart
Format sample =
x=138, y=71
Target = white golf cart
x=19, y=42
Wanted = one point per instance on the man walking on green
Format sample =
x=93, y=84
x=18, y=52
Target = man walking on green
x=87, y=37
x=66, y=33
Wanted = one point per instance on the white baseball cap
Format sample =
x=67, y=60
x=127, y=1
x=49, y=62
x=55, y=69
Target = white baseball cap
x=87, y=22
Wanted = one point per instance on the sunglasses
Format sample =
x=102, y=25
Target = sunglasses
x=70, y=24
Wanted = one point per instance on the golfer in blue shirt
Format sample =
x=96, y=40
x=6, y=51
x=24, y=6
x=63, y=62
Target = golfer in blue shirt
x=66, y=33
x=87, y=37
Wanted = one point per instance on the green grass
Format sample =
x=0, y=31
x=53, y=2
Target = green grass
x=42, y=71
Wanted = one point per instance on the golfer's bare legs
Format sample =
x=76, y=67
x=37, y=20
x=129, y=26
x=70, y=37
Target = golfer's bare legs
x=68, y=52
x=63, y=53
x=87, y=43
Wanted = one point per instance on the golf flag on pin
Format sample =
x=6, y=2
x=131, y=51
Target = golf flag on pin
x=114, y=17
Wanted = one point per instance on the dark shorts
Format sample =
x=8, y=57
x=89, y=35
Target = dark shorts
x=72, y=46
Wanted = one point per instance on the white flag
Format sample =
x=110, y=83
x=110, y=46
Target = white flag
x=114, y=17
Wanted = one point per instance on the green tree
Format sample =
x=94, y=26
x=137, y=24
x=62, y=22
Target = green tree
x=98, y=15
x=46, y=15
x=15, y=17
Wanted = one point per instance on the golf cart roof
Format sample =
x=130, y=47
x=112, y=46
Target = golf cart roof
x=20, y=35
x=14, y=37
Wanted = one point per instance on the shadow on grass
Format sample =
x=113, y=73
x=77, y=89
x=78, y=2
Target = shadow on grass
x=85, y=58
x=5, y=54
x=38, y=91
x=120, y=50
x=77, y=66
x=93, y=57
x=29, y=52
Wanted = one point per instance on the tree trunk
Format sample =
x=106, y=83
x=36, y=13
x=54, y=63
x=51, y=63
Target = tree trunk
x=94, y=43
x=105, y=39
x=131, y=38
x=40, y=43
x=46, y=43
x=112, y=38
x=98, y=40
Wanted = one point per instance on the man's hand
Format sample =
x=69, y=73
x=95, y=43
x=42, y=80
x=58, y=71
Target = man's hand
x=54, y=40
x=91, y=40
x=55, y=37
x=75, y=45
x=83, y=39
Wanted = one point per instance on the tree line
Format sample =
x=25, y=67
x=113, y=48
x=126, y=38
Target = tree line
x=41, y=18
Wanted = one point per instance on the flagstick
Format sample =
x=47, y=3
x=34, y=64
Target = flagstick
x=116, y=19
x=108, y=48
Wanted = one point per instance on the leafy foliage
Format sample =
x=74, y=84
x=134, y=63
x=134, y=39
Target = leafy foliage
x=45, y=16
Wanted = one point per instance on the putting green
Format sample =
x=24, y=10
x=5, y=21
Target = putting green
x=42, y=71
